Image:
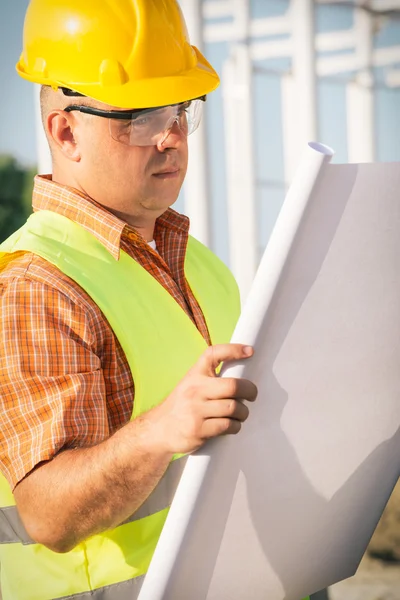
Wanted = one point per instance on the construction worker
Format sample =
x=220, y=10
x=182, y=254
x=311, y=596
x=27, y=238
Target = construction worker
x=113, y=320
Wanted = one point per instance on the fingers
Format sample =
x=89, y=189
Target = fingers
x=231, y=387
x=203, y=405
x=214, y=355
x=223, y=417
x=215, y=427
x=226, y=409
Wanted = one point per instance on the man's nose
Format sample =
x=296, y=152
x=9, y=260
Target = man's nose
x=171, y=137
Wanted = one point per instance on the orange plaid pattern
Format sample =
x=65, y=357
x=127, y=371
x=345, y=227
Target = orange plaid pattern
x=64, y=379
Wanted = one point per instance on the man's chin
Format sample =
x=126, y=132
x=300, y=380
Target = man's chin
x=159, y=206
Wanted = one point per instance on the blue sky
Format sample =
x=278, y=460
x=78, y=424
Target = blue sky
x=17, y=133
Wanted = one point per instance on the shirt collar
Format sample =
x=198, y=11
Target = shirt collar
x=92, y=216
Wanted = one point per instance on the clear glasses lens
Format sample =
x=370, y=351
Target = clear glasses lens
x=148, y=128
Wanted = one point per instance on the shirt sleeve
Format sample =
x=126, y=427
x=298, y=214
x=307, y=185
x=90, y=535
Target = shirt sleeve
x=52, y=388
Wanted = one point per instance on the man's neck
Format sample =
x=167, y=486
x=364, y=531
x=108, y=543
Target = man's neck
x=146, y=230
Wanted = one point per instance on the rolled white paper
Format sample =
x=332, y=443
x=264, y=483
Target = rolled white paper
x=287, y=507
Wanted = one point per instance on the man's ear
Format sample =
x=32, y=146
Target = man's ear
x=60, y=129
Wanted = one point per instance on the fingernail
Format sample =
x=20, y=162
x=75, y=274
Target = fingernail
x=247, y=350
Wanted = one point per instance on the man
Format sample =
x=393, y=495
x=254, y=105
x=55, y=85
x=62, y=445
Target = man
x=106, y=306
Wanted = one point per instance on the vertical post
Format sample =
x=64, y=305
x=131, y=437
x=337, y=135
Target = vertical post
x=44, y=162
x=304, y=68
x=360, y=94
x=241, y=189
x=291, y=127
x=300, y=91
x=241, y=12
x=196, y=182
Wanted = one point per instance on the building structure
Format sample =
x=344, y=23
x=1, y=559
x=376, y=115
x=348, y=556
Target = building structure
x=293, y=47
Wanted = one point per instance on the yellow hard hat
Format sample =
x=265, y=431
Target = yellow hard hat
x=127, y=53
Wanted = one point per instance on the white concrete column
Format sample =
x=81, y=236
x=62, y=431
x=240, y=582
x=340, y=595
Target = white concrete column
x=299, y=91
x=42, y=148
x=240, y=171
x=241, y=11
x=291, y=128
x=360, y=94
x=196, y=183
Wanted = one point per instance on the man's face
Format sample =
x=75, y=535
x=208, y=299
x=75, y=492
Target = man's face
x=135, y=181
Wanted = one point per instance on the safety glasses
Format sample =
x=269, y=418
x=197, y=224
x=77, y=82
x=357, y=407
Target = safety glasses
x=148, y=126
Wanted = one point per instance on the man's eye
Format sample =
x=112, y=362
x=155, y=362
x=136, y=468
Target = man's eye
x=140, y=122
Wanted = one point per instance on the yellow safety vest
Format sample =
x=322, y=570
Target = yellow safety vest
x=160, y=343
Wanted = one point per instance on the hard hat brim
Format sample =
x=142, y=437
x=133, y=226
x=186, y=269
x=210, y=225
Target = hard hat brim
x=144, y=93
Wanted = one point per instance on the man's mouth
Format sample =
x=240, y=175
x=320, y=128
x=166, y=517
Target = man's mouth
x=169, y=173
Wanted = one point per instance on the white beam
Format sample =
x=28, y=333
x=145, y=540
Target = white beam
x=196, y=188
x=335, y=40
x=382, y=5
x=217, y=9
x=292, y=137
x=383, y=57
x=221, y=32
x=234, y=30
x=241, y=15
x=299, y=103
x=360, y=94
x=239, y=156
x=269, y=26
x=347, y=3
x=303, y=66
x=334, y=65
x=392, y=78
x=272, y=49
x=197, y=200
x=360, y=124
x=376, y=5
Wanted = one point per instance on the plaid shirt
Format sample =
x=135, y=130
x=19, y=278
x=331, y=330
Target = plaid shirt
x=64, y=378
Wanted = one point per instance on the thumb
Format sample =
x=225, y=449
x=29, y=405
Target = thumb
x=215, y=355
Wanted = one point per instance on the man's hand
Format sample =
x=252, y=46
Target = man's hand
x=203, y=405
x=76, y=484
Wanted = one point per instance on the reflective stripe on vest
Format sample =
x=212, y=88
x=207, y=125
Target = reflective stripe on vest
x=125, y=590
x=135, y=305
x=12, y=529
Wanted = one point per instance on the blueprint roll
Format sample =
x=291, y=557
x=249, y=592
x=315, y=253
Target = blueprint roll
x=287, y=507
